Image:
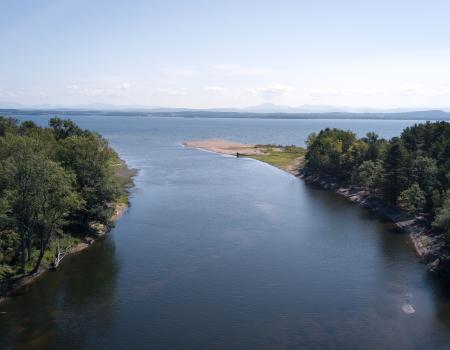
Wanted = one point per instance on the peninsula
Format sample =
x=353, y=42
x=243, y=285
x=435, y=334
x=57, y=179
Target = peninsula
x=287, y=158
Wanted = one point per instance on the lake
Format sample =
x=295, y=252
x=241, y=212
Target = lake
x=218, y=252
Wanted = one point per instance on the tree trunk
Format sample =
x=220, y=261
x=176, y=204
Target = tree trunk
x=28, y=246
x=60, y=255
x=40, y=257
x=22, y=252
x=43, y=245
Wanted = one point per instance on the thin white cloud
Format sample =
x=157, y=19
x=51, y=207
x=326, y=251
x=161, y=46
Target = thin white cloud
x=180, y=72
x=6, y=93
x=409, y=89
x=236, y=69
x=403, y=90
x=124, y=86
x=173, y=91
x=226, y=67
x=271, y=91
x=216, y=89
x=332, y=92
x=88, y=91
x=441, y=91
x=253, y=72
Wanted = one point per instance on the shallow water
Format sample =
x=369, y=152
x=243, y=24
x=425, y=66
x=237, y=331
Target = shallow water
x=224, y=253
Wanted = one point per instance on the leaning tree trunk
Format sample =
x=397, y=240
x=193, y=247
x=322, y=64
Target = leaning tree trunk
x=60, y=255
x=22, y=252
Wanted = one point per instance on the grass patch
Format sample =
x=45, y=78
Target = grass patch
x=283, y=157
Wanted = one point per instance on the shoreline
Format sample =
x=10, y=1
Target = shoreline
x=427, y=243
x=98, y=232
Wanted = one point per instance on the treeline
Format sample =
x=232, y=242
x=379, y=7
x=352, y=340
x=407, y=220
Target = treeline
x=411, y=171
x=55, y=183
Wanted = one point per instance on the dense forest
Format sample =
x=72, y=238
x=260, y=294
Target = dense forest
x=411, y=171
x=56, y=184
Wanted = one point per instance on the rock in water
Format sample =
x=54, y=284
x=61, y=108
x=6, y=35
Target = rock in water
x=408, y=309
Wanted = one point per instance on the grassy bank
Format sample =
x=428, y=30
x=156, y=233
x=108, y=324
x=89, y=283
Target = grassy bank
x=287, y=158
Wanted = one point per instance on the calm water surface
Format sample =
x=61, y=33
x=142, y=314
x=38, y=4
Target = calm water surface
x=224, y=253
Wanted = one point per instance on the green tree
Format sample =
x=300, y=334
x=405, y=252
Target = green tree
x=424, y=171
x=326, y=152
x=40, y=193
x=442, y=219
x=91, y=159
x=395, y=169
x=354, y=157
x=374, y=146
x=65, y=128
x=412, y=199
x=51, y=180
x=7, y=125
x=370, y=174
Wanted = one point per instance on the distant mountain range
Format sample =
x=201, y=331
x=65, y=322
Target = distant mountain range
x=266, y=110
x=262, y=108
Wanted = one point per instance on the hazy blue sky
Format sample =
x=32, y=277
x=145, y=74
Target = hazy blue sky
x=210, y=53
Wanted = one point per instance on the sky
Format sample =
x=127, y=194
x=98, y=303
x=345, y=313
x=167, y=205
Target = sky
x=234, y=53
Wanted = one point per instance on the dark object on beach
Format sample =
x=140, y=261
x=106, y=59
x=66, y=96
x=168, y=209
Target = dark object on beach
x=237, y=154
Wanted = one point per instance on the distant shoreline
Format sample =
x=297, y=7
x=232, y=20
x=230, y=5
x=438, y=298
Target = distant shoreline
x=430, y=115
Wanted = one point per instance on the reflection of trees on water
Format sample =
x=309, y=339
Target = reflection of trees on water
x=67, y=308
x=441, y=298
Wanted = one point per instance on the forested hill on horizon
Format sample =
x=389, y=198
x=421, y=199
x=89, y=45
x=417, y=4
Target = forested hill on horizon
x=199, y=113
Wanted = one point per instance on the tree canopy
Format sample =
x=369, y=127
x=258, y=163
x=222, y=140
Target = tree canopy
x=54, y=182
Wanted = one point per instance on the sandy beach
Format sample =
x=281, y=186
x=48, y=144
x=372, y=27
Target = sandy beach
x=225, y=147
x=287, y=158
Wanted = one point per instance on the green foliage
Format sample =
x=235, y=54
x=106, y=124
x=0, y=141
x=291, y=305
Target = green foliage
x=92, y=160
x=412, y=170
x=424, y=171
x=375, y=145
x=280, y=159
x=328, y=152
x=396, y=175
x=9, y=246
x=65, y=128
x=412, y=199
x=369, y=174
x=431, y=140
x=442, y=219
x=50, y=178
x=7, y=125
x=294, y=149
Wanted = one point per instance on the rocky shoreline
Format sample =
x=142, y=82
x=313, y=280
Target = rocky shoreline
x=427, y=242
